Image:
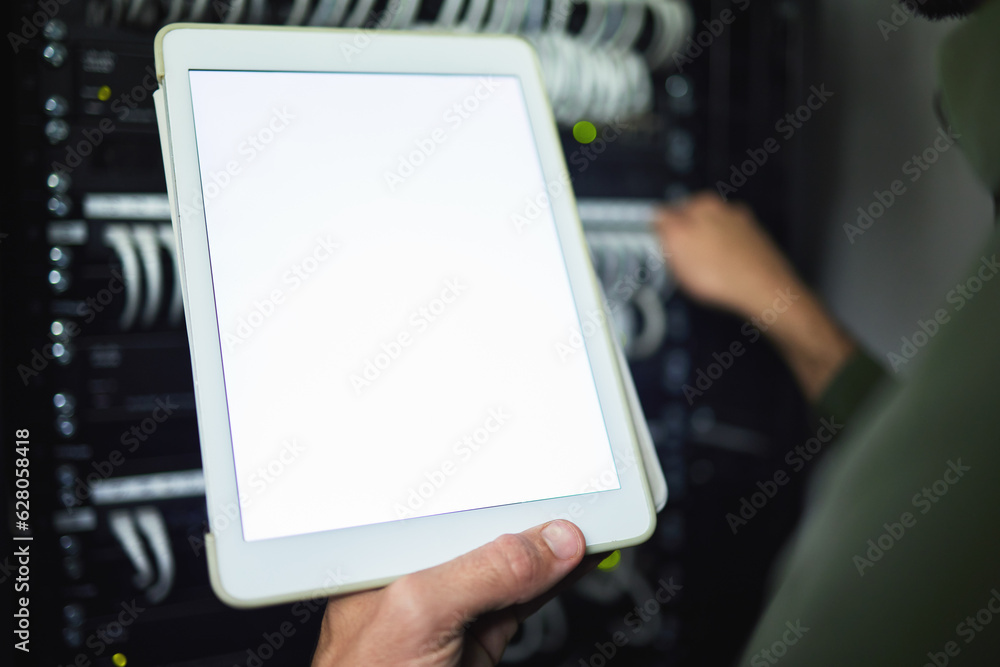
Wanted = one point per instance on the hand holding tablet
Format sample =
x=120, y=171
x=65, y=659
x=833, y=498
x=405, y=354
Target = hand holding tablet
x=378, y=308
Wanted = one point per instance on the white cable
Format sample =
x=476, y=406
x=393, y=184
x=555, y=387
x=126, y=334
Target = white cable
x=235, y=13
x=297, y=14
x=683, y=11
x=654, y=328
x=570, y=71
x=448, y=14
x=175, y=11
x=359, y=14
x=659, y=35
x=497, y=17
x=321, y=13
x=517, y=16
x=153, y=526
x=474, y=15
x=614, y=14
x=198, y=10
x=611, y=93
x=659, y=278
x=675, y=21
x=329, y=13
x=559, y=13
x=134, y=10
x=406, y=12
x=149, y=253
x=592, y=26
x=176, y=309
x=543, y=44
x=123, y=528
x=534, y=17
x=630, y=27
x=119, y=239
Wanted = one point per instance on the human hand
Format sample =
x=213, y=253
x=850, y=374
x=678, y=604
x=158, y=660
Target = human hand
x=460, y=613
x=721, y=256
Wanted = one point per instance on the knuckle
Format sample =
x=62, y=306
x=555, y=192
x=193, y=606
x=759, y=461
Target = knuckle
x=405, y=599
x=516, y=559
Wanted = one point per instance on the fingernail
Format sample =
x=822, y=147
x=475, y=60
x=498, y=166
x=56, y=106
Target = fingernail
x=561, y=540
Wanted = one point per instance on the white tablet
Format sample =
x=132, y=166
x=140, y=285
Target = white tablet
x=387, y=294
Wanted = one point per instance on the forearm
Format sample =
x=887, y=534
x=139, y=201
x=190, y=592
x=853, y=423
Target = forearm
x=811, y=342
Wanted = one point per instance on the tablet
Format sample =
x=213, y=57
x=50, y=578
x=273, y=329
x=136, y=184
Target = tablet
x=398, y=341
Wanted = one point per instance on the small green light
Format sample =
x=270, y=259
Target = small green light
x=584, y=132
x=104, y=94
x=119, y=659
x=611, y=562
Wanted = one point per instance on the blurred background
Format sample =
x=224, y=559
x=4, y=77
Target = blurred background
x=655, y=99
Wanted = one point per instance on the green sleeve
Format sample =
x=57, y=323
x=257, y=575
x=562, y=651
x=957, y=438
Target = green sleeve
x=897, y=558
x=849, y=388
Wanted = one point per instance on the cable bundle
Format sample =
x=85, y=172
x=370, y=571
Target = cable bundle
x=599, y=71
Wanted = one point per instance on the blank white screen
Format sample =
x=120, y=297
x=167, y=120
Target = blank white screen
x=466, y=402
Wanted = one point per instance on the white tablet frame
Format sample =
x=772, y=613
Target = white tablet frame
x=247, y=574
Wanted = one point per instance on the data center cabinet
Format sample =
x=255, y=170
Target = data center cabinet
x=656, y=99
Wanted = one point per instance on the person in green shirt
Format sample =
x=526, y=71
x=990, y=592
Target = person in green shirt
x=897, y=559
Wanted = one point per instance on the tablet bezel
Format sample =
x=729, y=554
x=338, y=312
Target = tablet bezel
x=252, y=573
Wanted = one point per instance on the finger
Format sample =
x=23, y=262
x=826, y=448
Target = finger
x=494, y=631
x=510, y=570
x=586, y=566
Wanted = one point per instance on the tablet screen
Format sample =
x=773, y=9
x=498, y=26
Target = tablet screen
x=395, y=343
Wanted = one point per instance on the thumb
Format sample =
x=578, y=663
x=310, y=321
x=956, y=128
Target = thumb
x=510, y=570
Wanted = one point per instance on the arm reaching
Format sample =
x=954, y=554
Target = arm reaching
x=721, y=257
